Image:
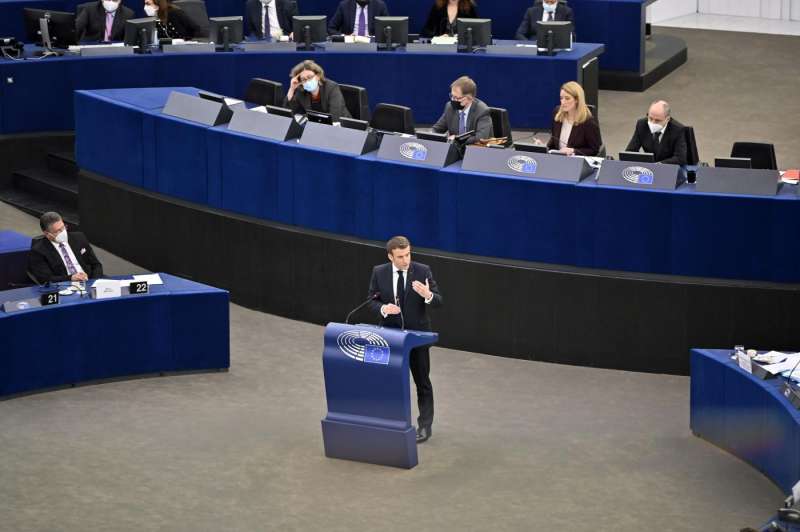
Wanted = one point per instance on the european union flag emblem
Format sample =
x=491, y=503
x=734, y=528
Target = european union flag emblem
x=420, y=155
x=376, y=354
x=646, y=179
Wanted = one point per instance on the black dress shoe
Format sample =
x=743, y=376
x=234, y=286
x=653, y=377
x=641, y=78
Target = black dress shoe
x=423, y=434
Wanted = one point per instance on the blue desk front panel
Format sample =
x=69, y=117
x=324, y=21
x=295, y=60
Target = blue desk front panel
x=40, y=98
x=14, y=249
x=746, y=416
x=585, y=225
x=178, y=326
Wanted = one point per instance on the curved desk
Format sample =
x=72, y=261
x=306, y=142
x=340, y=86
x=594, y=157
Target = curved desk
x=179, y=326
x=746, y=416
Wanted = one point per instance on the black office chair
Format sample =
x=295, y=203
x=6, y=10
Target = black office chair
x=196, y=10
x=593, y=109
x=761, y=154
x=264, y=92
x=692, y=155
x=390, y=117
x=501, y=124
x=357, y=101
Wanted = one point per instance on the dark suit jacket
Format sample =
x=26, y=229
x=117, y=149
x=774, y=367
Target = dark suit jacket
x=479, y=119
x=331, y=100
x=671, y=149
x=344, y=19
x=415, y=311
x=527, y=28
x=45, y=263
x=91, y=22
x=286, y=9
x=438, y=23
x=585, y=138
x=179, y=26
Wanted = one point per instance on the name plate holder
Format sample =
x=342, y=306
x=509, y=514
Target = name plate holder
x=495, y=49
x=744, y=181
x=526, y=164
x=196, y=109
x=269, y=46
x=103, y=51
x=199, y=48
x=44, y=300
x=265, y=125
x=340, y=139
x=640, y=175
x=418, y=151
x=355, y=47
x=105, y=289
x=423, y=48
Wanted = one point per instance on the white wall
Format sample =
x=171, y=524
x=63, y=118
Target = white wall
x=667, y=9
x=771, y=9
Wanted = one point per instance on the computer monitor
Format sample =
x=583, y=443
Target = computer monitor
x=352, y=123
x=554, y=36
x=530, y=147
x=391, y=32
x=60, y=27
x=637, y=157
x=319, y=118
x=139, y=32
x=430, y=135
x=733, y=162
x=474, y=33
x=280, y=111
x=309, y=29
x=226, y=30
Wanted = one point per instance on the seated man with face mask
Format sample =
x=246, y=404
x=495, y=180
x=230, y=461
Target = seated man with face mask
x=357, y=17
x=309, y=90
x=545, y=11
x=103, y=20
x=270, y=18
x=465, y=112
x=57, y=256
x=658, y=133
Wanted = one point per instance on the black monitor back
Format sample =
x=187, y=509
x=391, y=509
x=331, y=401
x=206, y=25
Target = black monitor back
x=397, y=30
x=317, y=26
x=280, y=111
x=637, y=157
x=134, y=27
x=481, y=31
x=733, y=162
x=234, y=25
x=561, y=32
x=61, y=26
x=438, y=137
x=353, y=123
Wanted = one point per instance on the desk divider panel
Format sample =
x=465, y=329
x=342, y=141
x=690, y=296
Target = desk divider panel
x=526, y=164
x=341, y=139
x=642, y=176
x=418, y=151
x=738, y=181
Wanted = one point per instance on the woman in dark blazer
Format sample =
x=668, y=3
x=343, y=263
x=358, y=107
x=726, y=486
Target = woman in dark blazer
x=310, y=91
x=171, y=22
x=443, y=15
x=575, y=131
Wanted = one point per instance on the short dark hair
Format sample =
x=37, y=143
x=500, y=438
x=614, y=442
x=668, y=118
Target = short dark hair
x=397, y=242
x=48, y=219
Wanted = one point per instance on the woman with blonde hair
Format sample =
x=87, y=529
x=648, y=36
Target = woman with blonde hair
x=575, y=131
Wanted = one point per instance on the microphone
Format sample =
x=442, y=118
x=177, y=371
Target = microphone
x=372, y=298
x=402, y=319
x=791, y=392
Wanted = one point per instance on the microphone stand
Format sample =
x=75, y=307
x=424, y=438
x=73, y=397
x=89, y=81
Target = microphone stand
x=362, y=305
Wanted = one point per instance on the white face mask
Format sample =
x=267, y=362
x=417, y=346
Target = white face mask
x=549, y=7
x=61, y=237
x=266, y=2
x=150, y=11
x=110, y=6
x=655, y=128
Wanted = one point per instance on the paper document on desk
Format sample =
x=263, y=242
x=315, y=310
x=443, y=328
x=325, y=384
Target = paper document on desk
x=150, y=278
x=787, y=365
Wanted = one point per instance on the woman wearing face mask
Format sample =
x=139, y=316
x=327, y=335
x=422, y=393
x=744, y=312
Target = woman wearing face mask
x=171, y=22
x=575, y=131
x=357, y=17
x=102, y=21
x=443, y=16
x=309, y=90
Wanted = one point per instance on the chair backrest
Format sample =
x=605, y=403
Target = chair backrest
x=692, y=155
x=264, y=92
x=501, y=124
x=357, y=101
x=761, y=154
x=196, y=10
x=390, y=117
x=81, y=7
x=593, y=109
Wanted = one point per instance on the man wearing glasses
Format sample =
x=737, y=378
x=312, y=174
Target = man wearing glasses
x=464, y=112
x=57, y=256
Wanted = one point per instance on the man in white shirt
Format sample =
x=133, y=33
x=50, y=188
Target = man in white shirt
x=61, y=256
x=545, y=11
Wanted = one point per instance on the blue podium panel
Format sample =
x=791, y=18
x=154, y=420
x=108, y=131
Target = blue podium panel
x=746, y=416
x=367, y=389
x=179, y=326
x=14, y=249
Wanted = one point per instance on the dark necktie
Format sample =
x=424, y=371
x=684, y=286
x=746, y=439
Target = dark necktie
x=462, y=122
x=401, y=289
x=265, y=26
x=550, y=16
x=656, y=138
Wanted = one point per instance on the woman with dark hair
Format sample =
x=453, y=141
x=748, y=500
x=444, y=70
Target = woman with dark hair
x=443, y=16
x=171, y=22
x=310, y=90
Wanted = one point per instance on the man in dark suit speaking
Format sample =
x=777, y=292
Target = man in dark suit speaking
x=357, y=17
x=405, y=290
x=660, y=134
x=465, y=112
x=57, y=256
x=103, y=20
x=546, y=11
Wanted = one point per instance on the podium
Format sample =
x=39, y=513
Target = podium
x=367, y=389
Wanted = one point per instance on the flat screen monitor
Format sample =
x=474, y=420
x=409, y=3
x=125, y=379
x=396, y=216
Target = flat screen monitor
x=309, y=29
x=474, y=33
x=60, y=26
x=733, y=162
x=139, y=31
x=352, y=123
x=637, y=157
x=391, y=31
x=430, y=135
x=218, y=33
x=554, y=36
x=319, y=118
x=212, y=97
x=280, y=111
x=530, y=147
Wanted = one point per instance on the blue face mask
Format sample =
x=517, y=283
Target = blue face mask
x=311, y=85
x=549, y=7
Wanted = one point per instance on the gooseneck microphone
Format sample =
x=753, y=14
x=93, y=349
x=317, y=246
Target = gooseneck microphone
x=402, y=319
x=372, y=298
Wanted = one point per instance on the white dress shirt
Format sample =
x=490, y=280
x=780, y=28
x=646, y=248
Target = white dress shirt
x=75, y=262
x=405, y=284
x=566, y=131
x=546, y=15
x=270, y=11
x=359, y=9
